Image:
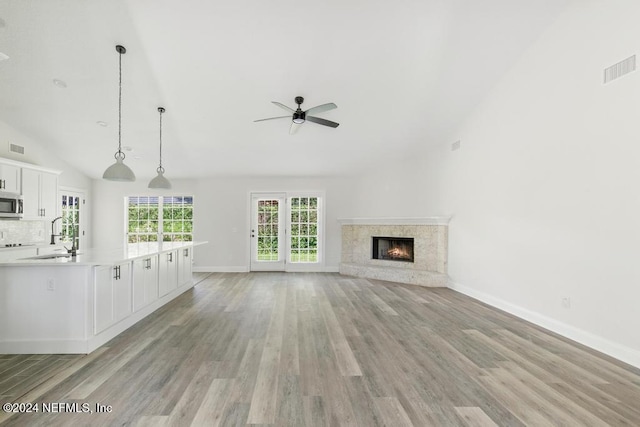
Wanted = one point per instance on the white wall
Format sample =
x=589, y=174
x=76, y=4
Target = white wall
x=221, y=214
x=37, y=153
x=544, y=190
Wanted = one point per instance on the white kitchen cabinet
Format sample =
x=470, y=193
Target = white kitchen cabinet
x=112, y=295
x=145, y=282
x=9, y=178
x=185, y=267
x=40, y=194
x=103, y=299
x=167, y=272
x=122, y=291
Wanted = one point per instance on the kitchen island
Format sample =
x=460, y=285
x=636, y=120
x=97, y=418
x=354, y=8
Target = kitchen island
x=63, y=304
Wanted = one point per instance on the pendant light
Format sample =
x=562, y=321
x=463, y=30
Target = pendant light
x=119, y=171
x=160, y=181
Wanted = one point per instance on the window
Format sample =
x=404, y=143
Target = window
x=159, y=218
x=304, y=229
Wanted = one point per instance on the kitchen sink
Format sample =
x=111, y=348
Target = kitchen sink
x=51, y=256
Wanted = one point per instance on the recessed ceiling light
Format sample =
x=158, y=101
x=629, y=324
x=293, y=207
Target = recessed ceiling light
x=3, y=56
x=59, y=83
x=101, y=123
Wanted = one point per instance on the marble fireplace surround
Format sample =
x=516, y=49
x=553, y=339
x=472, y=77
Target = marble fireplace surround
x=430, y=249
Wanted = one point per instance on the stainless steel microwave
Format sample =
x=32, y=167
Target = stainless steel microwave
x=11, y=205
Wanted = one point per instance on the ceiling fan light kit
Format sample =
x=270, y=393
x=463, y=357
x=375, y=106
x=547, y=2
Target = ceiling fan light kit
x=119, y=171
x=298, y=117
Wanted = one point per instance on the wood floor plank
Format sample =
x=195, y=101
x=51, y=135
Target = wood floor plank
x=347, y=363
x=392, y=412
x=153, y=421
x=191, y=399
x=321, y=349
x=93, y=382
x=475, y=417
x=263, y=402
x=212, y=407
x=314, y=411
x=576, y=413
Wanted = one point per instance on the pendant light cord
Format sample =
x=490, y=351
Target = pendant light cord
x=120, y=154
x=120, y=103
x=160, y=168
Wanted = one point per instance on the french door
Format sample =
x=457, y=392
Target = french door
x=286, y=231
x=72, y=216
x=268, y=231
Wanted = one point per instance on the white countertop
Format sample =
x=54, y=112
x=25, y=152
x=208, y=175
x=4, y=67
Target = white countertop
x=31, y=246
x=100, y=256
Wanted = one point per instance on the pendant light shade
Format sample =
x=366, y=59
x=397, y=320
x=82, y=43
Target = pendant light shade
x=119, y=171
x=160, y=181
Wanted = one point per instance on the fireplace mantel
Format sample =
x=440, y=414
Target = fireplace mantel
x=429, y=220
x=430, y=236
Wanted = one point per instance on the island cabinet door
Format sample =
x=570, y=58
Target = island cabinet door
x=151, y=280
x=102, y=299
x=168, y=272
x=145, y=282
x=185, y=266
x=121, y=290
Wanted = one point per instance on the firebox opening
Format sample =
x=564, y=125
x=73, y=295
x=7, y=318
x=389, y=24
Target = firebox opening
x=393, y=248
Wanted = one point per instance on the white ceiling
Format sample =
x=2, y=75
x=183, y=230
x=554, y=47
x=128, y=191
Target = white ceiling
x=402, y=74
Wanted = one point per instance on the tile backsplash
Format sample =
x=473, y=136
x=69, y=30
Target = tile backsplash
x=21, y=231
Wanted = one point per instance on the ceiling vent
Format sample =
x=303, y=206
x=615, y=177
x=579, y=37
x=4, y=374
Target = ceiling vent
x=620, y=69
x=14, y=148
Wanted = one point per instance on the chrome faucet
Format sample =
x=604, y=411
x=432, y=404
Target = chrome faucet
x=74, y=249
x=53, y=236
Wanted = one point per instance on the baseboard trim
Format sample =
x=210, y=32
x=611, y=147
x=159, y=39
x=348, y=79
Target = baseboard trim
x=613, y=349
x=245, y=269
x=221, y=269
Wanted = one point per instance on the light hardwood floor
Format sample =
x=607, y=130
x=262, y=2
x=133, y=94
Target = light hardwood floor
x=306, y=349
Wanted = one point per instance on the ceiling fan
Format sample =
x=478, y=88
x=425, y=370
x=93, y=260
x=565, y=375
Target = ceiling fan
x=298, y=116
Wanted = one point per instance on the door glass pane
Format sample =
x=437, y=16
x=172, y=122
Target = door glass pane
x=70, y=230
x=268, y=230
x=304, y=229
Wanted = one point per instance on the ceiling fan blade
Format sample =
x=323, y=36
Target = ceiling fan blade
x=294, y=127
x=324, y=122
x=291, y=110
x=273, y=118
x=322, y=108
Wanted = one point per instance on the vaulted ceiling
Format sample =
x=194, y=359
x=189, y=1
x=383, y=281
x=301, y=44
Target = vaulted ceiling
x=402, y=73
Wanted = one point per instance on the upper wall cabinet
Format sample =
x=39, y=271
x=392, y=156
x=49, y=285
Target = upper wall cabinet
x=9, y=178
x=40, y=193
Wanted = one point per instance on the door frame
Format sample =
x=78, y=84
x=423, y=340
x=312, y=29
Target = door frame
x=289, y=266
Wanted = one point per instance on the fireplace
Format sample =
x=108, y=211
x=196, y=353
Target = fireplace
x=393, y=248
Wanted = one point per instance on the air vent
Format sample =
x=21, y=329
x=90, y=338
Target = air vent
x=455, y=146
x=14, y=148
x=620, y=69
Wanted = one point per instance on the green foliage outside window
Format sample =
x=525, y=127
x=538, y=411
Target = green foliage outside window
x=150, y=217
